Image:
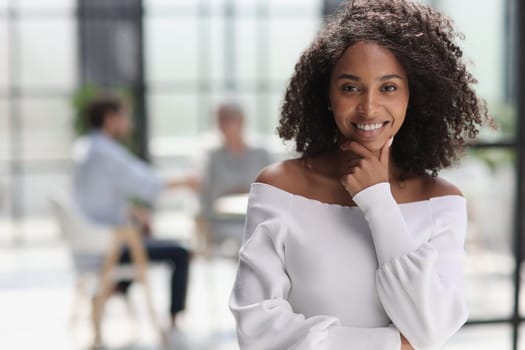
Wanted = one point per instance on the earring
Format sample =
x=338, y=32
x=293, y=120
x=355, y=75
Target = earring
x=329, y=108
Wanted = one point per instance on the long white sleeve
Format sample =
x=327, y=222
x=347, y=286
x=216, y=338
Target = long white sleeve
x=420, y=285
x=265, y=319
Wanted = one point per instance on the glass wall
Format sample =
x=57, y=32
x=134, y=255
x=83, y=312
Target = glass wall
x=199, y=53
x=487, y=179
x=488, y=48
x=37, y=76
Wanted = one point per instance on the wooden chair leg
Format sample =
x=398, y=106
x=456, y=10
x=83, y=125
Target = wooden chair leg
x=140, y=262
x=105, y=287
x=98, y=302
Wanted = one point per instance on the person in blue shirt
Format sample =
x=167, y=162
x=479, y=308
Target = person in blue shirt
x=107, y=177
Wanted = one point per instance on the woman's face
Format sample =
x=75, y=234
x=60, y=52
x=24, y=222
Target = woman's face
x=368, y=94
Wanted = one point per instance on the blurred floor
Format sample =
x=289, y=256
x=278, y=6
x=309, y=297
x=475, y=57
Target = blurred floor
x=36, y=297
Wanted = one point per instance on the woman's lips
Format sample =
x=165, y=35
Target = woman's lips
x=368, y=130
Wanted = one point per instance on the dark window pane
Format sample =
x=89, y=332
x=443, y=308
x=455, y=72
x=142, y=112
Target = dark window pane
x=48, y=53
x=486, y=178
x=521, y=338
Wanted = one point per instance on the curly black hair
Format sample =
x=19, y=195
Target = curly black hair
x=443, y=110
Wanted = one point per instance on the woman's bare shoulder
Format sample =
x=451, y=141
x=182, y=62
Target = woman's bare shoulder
x=438, y=187
x=288, y=175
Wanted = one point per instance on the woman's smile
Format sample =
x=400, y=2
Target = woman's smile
x=369, y=130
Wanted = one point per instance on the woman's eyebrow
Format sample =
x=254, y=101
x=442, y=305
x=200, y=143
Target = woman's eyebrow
x=356, y=78
x=349, y=77
x=390, y=76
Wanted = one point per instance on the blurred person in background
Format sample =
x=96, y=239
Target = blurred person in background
x=230, y=170
x=107, y=178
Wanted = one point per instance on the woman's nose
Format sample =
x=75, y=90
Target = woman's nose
x=367, y=104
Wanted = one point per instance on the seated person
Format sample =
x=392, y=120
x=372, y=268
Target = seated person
x=107, y=177
x=230, y=170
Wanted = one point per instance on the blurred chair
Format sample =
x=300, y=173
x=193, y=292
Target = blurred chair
x=221, y=235
x=95, y=251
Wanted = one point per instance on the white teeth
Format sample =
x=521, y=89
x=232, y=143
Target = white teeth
x=368, y=127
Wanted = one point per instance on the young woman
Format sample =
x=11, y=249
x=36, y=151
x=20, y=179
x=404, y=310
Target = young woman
x=357, y=244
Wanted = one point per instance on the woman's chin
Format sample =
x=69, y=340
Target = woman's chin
x=372, y=145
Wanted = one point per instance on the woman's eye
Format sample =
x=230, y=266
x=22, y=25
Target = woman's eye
x=389, y=88
x=350, y=88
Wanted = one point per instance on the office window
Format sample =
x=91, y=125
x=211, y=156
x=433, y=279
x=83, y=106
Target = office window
x=171, y=49
x=4, y=130
x=288, y=38
x=173, y=115
x=245, y=50
x=60, y=5
x=39, y=57
x=47, y=56
x=487, y=48
x=6, y=234
x=213, y=60
x=47, y=127
x=482, y=337
x=247, y=53
x=152, y=4
x=4, y=45
x=487, y=180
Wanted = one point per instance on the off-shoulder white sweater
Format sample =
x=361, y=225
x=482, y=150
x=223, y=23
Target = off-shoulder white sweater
x=317, y=276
